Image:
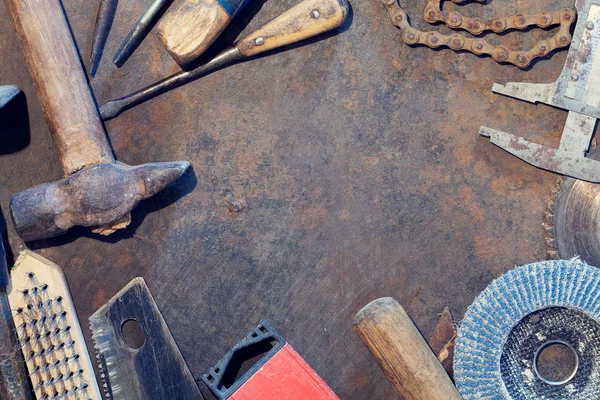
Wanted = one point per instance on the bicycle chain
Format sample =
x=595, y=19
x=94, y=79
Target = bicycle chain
x=478, y=46
x=476, y=26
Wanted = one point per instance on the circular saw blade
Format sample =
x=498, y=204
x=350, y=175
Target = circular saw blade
x=517, y=315
x=576, y=218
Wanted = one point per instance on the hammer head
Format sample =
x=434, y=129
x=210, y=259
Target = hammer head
x=95, y=196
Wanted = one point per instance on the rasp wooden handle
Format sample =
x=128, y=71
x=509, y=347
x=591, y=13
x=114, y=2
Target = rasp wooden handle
x=62, y=88
x=402, y=353
x=189, y=27
x=306, y=19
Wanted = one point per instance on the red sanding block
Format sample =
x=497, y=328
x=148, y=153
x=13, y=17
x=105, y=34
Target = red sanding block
x=277, y=371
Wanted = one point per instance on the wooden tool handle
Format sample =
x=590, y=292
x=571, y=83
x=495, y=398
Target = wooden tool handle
x=189, y=27
x=402, y=353
x=61, y=84
x=305, y=20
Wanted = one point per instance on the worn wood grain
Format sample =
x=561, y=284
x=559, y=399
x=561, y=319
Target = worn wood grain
x=189, y=27
x=305, y=20
x=402, y=353
x=61, y=85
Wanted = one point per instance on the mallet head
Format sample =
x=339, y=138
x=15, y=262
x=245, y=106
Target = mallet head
x=97, y=196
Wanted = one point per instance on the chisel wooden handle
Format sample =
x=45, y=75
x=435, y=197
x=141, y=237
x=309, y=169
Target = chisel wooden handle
x=307, y=19
x=402, y=353
x=61, y=84
x=189, y=27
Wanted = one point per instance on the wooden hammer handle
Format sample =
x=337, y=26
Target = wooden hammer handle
x=402, y=353
x=62, y=88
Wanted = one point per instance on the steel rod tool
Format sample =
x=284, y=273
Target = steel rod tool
x=98, y=192
x=104, y=19
x=305, y=20
x=140, y=31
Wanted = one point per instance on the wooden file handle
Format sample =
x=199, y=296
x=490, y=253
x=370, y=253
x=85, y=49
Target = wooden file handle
x=61, y=84
x=402, y=353
x=189, y=27
x=307, y=19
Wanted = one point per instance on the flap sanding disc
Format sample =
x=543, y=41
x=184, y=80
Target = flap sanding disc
x=502, y=339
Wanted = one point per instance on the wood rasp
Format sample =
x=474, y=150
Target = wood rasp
x=155, y=370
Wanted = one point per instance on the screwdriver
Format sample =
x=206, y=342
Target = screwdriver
x=189, y=27
x=306, y=19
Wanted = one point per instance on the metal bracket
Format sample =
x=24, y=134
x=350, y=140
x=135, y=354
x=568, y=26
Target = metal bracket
x=577, y=90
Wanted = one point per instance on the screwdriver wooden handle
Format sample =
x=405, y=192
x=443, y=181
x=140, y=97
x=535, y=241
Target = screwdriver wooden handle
x=402, y=353
x=307, y=19
x=61, y=84
x=189, y=27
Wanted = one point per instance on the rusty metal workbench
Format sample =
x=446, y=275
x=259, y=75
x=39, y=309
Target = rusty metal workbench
x=360, y=166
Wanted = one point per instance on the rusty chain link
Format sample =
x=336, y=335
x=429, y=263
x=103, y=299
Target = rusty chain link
x=476, y=26
x=478, y=46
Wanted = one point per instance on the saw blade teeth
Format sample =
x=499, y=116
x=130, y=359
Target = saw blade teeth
x=503, y=304
x=101, y=340
x=550, y=242
x=548, y=223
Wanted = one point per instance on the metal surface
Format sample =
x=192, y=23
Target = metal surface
x=457, y=42
x=140, y=31
x=519, y=314
x=576, y=90
x=156, y=370
x=104, y=20
x=323, y=178
x=113, y=108
x=7, y=93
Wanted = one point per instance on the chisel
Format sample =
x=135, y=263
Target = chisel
x=140, y=30
x=189, y=27
x=104, y=20
x=307, y=19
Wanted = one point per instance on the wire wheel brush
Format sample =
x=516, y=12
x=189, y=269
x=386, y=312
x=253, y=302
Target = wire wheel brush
x=523, y=325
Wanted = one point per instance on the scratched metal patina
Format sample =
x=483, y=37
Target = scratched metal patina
x=324, y=176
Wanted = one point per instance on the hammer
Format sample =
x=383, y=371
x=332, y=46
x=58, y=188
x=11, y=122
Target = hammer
x=402, y=353
x=97, y=192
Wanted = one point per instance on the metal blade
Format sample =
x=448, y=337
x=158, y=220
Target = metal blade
x=576, y=218
x=568, y=159
x=154, y=371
